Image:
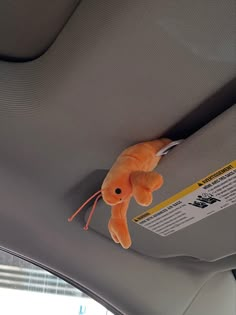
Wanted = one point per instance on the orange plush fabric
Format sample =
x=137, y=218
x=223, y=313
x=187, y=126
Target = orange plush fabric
x=131, y=175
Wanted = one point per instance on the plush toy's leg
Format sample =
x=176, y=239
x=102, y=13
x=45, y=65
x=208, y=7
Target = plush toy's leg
x=143, y=184
x=118, y=226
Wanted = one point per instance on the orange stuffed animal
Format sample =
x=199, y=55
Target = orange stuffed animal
x=131, y=175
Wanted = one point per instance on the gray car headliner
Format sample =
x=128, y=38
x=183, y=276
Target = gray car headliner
x=120, y=72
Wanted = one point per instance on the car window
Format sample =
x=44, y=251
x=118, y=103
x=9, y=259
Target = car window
x=26, y=289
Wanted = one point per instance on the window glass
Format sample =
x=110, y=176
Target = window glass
x=26, y=290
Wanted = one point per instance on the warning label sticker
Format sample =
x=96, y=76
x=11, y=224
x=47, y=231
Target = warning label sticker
x=215, y=192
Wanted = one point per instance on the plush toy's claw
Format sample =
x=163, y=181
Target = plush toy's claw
x=143, y=196
x=113, y=235
x=119, y=232
x=143, y=184
x=118, y=226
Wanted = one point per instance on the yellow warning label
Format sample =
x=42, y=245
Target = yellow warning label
x=204, y=184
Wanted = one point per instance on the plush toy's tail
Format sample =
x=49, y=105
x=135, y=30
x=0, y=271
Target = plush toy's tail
x=98, y=195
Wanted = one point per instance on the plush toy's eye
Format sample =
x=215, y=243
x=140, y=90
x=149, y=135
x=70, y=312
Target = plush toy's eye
x=118, y=191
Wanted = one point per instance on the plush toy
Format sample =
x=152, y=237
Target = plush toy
x=131, y=175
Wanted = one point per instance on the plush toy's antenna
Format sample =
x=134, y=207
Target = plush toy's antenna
x=92, y=212
x=84, y=204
